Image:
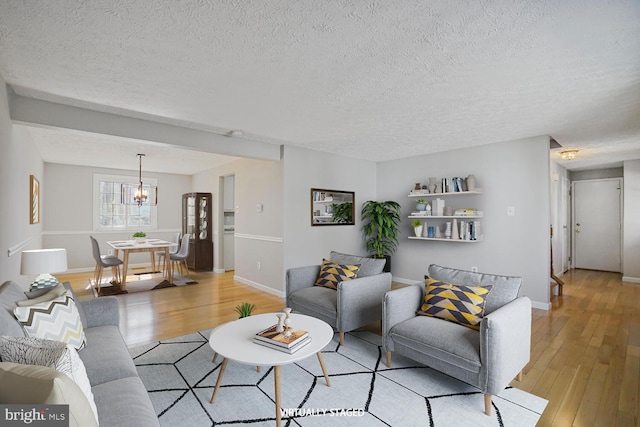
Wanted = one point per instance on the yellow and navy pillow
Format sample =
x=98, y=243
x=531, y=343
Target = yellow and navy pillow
x=331, y=274
x=455, y=303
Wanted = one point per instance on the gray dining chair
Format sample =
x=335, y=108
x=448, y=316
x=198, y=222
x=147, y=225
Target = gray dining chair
x=103, y=261
x=172, y=250
x=181, y=256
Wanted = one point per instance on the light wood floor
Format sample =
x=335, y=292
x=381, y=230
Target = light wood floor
x=585, y=356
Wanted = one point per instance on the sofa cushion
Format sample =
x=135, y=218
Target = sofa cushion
x=446, y=341
x=53, y=354
x=455, y=303
x=57, y=320
x=316, y=301
x=106, y=357
x=49, y=294
x=505, y=288
x=10, y=293
x=32, y=384
x=368, y=266
x=331, y=274
x=124, y=403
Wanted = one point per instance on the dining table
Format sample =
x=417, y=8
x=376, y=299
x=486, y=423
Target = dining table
x=147, y=245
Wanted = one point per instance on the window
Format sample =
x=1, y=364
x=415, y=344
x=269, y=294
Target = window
x=113, y=209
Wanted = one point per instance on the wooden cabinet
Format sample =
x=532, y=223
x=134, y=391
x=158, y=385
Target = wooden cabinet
x=197, y=223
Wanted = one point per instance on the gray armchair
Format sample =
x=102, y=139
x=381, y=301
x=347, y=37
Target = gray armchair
x=354, y=304
x=489, y=358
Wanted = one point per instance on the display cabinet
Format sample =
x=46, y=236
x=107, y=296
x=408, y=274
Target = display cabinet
x=197, y=223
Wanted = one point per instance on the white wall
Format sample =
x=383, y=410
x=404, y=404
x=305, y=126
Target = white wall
x=258, y=235
x=68, y=211
x=513, y=173
x=631, y=226
x=305, y=169
x=18, y=159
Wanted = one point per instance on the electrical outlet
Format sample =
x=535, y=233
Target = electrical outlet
x=258, y=265
x=474, y=268
x=109, y=251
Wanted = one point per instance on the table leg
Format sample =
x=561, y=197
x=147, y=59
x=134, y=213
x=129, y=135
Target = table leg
x=169, y=264
x=220, y=374
x=125, y=266
x=324, y=368
x=276, y=380
x=153, y=260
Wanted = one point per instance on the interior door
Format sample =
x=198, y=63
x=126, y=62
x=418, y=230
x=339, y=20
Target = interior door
x=565, y=220
x=597, y=224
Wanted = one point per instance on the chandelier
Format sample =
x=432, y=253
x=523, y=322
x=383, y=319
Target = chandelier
x=142, y=194
x=568, y=154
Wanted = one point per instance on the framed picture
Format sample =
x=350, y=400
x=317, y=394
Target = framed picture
x=34, y=198
x=332, y=207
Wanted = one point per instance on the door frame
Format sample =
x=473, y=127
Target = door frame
x=573, y=218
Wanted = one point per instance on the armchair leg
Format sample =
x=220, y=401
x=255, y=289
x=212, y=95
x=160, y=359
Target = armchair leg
x=487, y=404
x=341, y=338
x=519, y=376
x=388, y=359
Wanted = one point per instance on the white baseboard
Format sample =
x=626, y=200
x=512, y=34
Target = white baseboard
x=631, y=279
x=260, y=286
x=219, y=270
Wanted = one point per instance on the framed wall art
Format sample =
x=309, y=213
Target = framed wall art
x=34, y=198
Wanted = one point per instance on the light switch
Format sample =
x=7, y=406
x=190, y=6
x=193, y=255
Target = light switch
x=259, y=207
x=511, y=211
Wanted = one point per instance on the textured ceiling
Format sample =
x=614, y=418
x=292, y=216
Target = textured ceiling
x=370, y=79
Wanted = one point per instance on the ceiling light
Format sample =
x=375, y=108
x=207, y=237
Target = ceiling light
x=568, y=154
x=131, y=194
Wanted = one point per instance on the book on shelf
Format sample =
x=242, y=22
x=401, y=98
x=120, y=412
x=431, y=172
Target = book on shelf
x=271, y=336
x=466, y=212
x=290, y=350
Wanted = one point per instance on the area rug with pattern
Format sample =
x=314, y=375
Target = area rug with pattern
x=179, y=376
x=139, y=282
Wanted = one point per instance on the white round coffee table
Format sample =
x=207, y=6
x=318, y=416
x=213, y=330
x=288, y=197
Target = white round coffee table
x=234, y=340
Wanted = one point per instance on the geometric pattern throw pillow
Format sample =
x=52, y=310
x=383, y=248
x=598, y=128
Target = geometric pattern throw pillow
x=52, y=354
x=455, y=303
x=331, y=274
x=57, y=320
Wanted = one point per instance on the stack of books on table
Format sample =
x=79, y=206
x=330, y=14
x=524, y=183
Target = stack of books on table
x=277, y=340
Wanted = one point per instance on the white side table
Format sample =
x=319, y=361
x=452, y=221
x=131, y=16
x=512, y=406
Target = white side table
x=234, y=340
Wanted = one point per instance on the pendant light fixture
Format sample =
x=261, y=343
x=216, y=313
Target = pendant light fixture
x=141, y=194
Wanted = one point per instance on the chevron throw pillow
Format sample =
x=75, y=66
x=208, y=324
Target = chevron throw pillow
x=331, y=274
x=57, y=320
x=455, y=303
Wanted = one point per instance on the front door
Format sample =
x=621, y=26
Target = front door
x=597, y=226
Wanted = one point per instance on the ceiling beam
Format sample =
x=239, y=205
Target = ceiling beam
x=33, y=111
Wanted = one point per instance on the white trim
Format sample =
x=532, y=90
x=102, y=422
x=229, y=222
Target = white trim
x=85, y=232
x=17, y=248
x=406, y=281
x=259, y=286
x=631, y=279
x=546, y=306
x=257, y=237
x=219, y=270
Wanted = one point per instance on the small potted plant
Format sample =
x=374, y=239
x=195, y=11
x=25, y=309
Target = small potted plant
x=140, y=236
x=244, y=309
x=421, y=205
x=417, y=227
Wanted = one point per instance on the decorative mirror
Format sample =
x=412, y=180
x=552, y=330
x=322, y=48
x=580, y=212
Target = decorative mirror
x=332, y=207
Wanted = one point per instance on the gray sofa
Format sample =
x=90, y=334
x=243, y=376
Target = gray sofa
x=119, y=395
x=354, y=304
x=488, y=358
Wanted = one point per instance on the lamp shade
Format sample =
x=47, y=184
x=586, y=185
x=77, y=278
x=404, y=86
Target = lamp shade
x=40, y=261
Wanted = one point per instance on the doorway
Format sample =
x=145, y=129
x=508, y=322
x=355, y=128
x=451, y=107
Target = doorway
x=597, y=224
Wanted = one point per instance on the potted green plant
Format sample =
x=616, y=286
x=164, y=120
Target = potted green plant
x=417, y=227
x=140, y=236
x=244, y=309
x=421, y=204
x=381, y=220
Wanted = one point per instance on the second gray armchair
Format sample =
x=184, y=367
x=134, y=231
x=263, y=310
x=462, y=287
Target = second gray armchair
x=355, y=303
